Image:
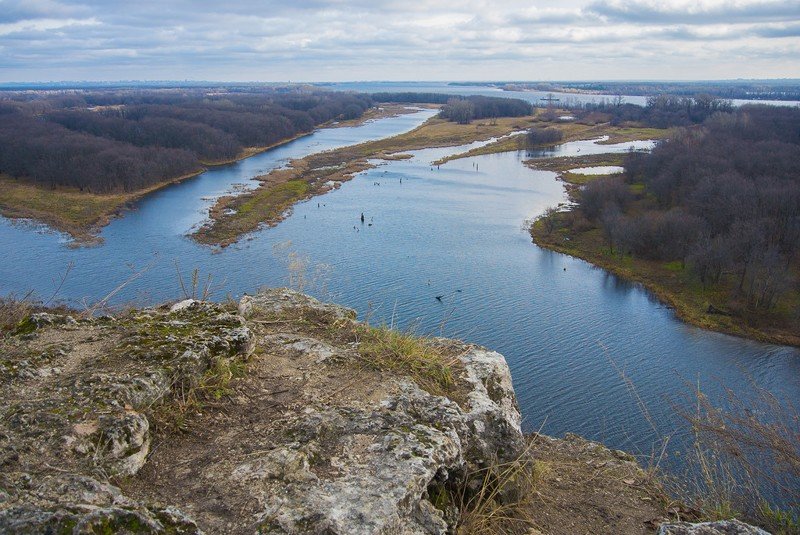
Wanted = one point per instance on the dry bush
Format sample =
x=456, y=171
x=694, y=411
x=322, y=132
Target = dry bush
x=13, y=311
x=500, y=497
x=745, y=459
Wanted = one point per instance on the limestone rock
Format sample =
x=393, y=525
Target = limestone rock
x=275, y=301
x=493, y=411
x=124, y=442
x=293, y=346
x=721, y=527
x=79, y=504
x=375, y=468
x=41, y=319
x=312, y=438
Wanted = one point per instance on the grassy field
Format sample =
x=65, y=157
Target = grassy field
x=671, y=282
x=562, y=166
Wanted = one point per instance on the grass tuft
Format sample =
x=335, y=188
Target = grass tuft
x=500, y=497
x=746, y=460
x=404, y=352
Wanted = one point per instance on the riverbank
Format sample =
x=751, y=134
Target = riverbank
x=234, y=216
x=571, y=132
x=77, y=213
x=82, y=214
x=567, y=232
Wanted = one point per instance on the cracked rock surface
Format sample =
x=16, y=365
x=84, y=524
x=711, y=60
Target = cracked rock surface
x=305, y=437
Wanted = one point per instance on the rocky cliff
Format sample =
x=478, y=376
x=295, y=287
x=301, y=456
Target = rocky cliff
x=277, y=414
x=131, y=423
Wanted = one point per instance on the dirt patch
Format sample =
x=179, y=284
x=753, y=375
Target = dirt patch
x=585, y=488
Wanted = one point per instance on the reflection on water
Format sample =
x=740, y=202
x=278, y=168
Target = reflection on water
x=570, y=331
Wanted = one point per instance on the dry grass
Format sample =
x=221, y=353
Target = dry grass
x=65, y=209
x=572, y=132
x=745, y=459
x=500, y=498
x=238, y=215
x=80, y=214
x=562, y=165
x=429, y=364
x=12, y=311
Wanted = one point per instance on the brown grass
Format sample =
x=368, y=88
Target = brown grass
x=79, y=214
x=500, y=498
x=745, y=459
x=572, y=131
x=13, y=311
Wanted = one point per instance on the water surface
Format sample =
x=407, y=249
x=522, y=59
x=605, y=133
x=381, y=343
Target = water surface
x=579, y=340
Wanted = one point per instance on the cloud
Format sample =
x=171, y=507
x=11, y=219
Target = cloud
x=394, y=39
x=695, y=12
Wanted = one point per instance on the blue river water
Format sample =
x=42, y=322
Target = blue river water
x=587, y=350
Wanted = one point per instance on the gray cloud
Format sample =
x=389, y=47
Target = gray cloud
x=653, y=12
x=393, y=39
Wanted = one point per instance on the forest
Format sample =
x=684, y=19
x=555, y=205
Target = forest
x=123, y=141
x=661, y=111
x=722, y=199
x=463, y=109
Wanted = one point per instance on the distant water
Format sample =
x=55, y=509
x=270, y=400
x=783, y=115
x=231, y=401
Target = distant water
x=584, y=346
x=598, y=170
x=536, y=97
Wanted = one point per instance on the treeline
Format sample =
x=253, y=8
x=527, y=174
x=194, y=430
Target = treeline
x=110, y=141
x=462, y=109
x=661, y=111
x=541, y=136
x=743, y=89
x=724, y=200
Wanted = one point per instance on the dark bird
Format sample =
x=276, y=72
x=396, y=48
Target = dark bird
x=439, y=297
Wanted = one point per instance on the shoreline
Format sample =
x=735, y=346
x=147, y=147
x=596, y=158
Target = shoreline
x=235, y=216
x=692, y=308
x=106, y=207
x=87, y=234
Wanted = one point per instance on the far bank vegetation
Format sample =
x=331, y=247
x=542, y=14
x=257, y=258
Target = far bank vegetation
x=712, y=215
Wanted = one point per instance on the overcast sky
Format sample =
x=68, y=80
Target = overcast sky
x=336, y=40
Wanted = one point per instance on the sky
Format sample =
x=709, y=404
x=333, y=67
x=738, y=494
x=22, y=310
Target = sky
x=346, y=40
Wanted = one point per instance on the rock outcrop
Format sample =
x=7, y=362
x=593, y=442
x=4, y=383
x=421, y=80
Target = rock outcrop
x=310, y=435
x=279, y=414
x=721, y=527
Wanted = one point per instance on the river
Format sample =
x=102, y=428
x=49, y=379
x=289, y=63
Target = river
x=584, y=346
